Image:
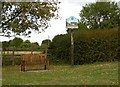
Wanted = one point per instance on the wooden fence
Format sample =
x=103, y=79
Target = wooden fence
x=10, y=56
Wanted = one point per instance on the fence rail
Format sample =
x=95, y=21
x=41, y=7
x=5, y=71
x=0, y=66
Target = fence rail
x=19, y=52
x=13, y=57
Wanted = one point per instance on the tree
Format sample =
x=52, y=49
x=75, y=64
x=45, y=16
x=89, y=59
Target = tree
x=20, y=18
x=16, y=42
x=26, y=45
x=45, y=44
x=5, y=45
x=82, y=26
x=60, y=48
x=47, y=41
x=100, y=15
x=34, y=46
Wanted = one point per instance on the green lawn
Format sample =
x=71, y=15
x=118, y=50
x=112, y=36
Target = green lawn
x=89, y=74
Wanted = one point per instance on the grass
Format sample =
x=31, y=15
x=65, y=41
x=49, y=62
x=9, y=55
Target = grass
x=89, y=74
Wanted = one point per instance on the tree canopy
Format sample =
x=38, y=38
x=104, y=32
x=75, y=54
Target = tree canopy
x=19, y=18
x=16, y=42
x=45, y=44
x=19, y=44
x=100, y=15
x=46, y=41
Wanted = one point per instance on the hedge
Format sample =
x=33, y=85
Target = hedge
x=89, y=46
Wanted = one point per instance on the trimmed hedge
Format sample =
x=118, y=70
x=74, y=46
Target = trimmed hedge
x=89, y=46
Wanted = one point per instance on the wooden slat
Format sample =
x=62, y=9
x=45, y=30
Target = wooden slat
x=32, y=59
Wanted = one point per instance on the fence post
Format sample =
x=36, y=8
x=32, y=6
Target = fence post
x=13, y=59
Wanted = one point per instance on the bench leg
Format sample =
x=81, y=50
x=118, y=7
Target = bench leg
x=23, y=66
x=45, y=67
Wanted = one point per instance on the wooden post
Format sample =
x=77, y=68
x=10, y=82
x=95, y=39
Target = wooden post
x=13, y=57
x=23, y=65
x=72, y=48
x=46, y=56
x=31, y=51
x=45, y=66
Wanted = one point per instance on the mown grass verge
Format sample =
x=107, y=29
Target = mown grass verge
x=89, y=74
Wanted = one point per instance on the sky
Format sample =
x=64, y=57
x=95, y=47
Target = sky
x=58, y=26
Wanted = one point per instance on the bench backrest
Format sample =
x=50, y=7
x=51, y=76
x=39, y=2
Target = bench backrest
x=30, y=59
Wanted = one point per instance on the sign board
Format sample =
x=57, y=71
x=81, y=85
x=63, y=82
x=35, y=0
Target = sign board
x=72, y=23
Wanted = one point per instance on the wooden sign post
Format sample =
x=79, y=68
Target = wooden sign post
x=72, y=24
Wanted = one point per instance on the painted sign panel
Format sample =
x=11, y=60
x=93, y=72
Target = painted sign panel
x=72, y=23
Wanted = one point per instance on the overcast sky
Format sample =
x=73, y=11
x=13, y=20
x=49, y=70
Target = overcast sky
x=67, y=8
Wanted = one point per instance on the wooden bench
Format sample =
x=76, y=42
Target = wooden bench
x=32, y=60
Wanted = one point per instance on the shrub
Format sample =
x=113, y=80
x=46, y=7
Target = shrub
x=7, y=61
x=89, y=46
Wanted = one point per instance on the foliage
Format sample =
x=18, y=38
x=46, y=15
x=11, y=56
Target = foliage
x=45, y=45
x=35, y=46
x=16, y=42
x=59, y=48
x=19, y=44
x=5, y=45
x=47, y=41
x=25, y=45
x=82, y=26
x=100, y=15
x=8, y=61
x=20, y=18
x=89, y=46
x=95, y=46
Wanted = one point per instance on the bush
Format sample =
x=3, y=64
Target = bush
x=89, y=46
x=59, y=49
x=7, y=61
